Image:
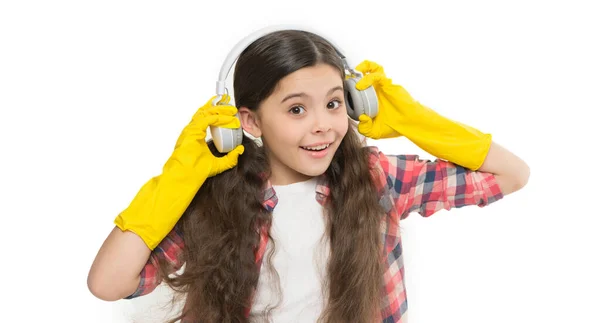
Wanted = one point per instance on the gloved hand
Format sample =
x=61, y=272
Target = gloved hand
x=401, y=115
x=161, y=201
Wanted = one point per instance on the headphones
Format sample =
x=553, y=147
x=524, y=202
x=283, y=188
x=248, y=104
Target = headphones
x=357, y=102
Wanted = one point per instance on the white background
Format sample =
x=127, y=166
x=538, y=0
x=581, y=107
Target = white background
x=94, y=94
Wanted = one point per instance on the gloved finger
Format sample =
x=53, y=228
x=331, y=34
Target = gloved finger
x=197, y=129
x=231, y=159
x=365, y=125
x=367, y=66
x=223, y=121
x=368, y=80
x=225, y=99
x=226, y=110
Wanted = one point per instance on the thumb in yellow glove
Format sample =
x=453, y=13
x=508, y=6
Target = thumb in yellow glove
x=400, y=115
x=161, y=201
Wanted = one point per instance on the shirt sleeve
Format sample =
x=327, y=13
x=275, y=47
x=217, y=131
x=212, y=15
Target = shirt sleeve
x=170, y=251
x=425, y=186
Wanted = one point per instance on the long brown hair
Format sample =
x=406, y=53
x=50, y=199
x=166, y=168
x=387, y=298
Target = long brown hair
x=221, y=225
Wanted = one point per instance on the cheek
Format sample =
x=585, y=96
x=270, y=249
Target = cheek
x=281, y=136
x=341, y=125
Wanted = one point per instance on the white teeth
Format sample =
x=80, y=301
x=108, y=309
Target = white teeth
x=317, y=147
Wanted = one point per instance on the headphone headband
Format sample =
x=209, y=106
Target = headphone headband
x=248, y=40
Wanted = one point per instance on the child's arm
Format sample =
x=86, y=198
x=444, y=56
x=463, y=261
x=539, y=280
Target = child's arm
x=147, y=225
x=424, y=186
x=115, y=272
x=126, y=268
x=510, y=171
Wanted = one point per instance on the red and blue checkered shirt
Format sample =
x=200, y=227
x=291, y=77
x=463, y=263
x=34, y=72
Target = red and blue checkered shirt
x=406, y=184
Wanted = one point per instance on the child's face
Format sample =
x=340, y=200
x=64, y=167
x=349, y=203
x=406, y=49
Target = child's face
x=307, y=109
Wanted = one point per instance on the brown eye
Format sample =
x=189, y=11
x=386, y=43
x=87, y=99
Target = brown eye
x=334, y=104
x=296, y=109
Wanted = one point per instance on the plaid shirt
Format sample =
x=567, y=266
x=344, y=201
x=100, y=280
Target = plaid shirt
x=406, y=184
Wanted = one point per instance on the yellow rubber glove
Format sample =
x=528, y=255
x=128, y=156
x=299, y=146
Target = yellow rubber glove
x=161, y=201
x=401, y=115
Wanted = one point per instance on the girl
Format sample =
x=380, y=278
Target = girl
x=304, y=227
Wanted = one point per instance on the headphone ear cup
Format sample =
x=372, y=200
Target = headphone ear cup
x=226, y=139
x=360, y=102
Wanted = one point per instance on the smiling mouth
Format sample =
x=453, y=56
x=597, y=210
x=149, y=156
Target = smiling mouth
x=316, y=148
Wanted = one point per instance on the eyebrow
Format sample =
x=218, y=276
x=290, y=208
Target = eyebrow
x=302, y=94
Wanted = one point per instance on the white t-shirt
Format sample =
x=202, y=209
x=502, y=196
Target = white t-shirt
x=301, y=250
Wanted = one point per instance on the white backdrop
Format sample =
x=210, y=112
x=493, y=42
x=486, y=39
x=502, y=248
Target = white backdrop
x=94, y=94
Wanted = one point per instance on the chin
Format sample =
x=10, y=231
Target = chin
x=313, y=172
x=314, y=169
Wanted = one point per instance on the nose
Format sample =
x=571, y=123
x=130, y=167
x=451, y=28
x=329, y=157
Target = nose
x=323, y=122
x=322, y=128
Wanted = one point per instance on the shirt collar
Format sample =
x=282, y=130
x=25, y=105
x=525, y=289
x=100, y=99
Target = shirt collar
x=322, y=191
